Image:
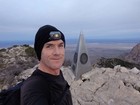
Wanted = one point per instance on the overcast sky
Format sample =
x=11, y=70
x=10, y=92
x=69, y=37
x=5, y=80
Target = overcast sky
x=106, y=19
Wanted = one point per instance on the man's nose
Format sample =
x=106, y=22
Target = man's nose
x=56, y=50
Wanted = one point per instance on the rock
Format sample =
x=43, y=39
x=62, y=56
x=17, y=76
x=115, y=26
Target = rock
x=135, y=70
x=14, y=60
x=107, y=87
x=18, y=55
x=24, y=75
x=121, y=69
x=68, y=75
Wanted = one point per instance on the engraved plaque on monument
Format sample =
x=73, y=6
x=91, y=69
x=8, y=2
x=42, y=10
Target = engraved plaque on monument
x=81, y=62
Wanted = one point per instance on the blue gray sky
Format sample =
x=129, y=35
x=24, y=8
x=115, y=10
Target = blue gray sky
x=97, y=19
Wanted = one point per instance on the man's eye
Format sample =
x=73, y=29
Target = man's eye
x=49, y=46
x=61, y=45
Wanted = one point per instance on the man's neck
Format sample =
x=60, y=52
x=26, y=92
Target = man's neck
x=49, y=71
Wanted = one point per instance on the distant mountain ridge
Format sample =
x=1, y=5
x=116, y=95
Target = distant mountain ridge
x=130, y=60
x=134, y=55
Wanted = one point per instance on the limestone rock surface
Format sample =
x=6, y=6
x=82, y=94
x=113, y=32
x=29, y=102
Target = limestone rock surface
x=102, y=86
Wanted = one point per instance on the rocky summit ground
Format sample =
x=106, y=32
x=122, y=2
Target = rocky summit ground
x=101, y=86
x=106, y=86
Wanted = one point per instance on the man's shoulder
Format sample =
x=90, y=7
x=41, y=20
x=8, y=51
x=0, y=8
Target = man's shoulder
x=35, y=82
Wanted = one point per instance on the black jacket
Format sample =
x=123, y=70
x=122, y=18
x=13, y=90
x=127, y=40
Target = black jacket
x=45, y=89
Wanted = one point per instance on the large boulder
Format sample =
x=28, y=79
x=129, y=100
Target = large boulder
x=14, y=60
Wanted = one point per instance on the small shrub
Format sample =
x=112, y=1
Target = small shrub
x=1, y=65
x=30, y=51
x=112, y=62
x=2, y=50
x=15, y=45
x=26, y=45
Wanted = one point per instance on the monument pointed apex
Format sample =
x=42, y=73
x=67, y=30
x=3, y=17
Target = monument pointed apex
x=81, y=33
x=81, y=40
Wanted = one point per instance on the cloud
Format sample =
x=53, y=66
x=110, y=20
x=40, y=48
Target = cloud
x=94, y=17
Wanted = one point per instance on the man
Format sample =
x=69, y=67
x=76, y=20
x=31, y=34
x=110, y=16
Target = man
x=47, y=86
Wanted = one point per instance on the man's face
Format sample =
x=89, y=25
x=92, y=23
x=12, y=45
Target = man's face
x=52, y=55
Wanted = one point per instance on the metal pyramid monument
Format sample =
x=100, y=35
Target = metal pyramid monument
x=81, y=62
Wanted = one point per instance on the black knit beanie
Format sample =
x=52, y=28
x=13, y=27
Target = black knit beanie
x=43, y=36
